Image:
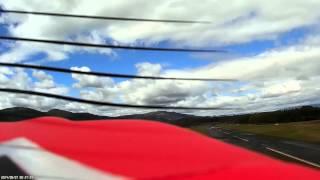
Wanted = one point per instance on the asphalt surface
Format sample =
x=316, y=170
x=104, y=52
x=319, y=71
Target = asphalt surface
x=299, y=152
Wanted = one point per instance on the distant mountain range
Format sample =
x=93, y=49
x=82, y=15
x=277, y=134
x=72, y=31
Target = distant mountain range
x=163, y=116
x=304, y=113
x=20, y=113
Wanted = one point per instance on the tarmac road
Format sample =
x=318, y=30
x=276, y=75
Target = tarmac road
x=303, y=153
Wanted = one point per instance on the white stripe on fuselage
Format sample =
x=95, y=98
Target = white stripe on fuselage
x=43, y=164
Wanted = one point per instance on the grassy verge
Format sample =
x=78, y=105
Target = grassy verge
x=302, y=131
x=202, y=128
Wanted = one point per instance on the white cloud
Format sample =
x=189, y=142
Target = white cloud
x=148, y=69
x=296, y=61
x=266, y=87
x=233, y=22
x=19, y=79
x=45, y=81
x=87, y=81
x=277, y=78
x=93, y=87
x=252, y=96
x=282, y=88
x=274, y=79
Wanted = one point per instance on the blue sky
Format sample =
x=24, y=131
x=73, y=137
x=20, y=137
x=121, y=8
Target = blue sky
x=273, y=53
x=124, y=61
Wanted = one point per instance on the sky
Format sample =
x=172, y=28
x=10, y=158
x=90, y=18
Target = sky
x=273, y=51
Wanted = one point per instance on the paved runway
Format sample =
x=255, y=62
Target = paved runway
x=304, y=153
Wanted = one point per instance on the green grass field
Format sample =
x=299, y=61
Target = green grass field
x=308, y=131
x=202, y=128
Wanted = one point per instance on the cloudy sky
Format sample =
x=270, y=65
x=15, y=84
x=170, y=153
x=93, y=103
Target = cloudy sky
x=273, y=50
